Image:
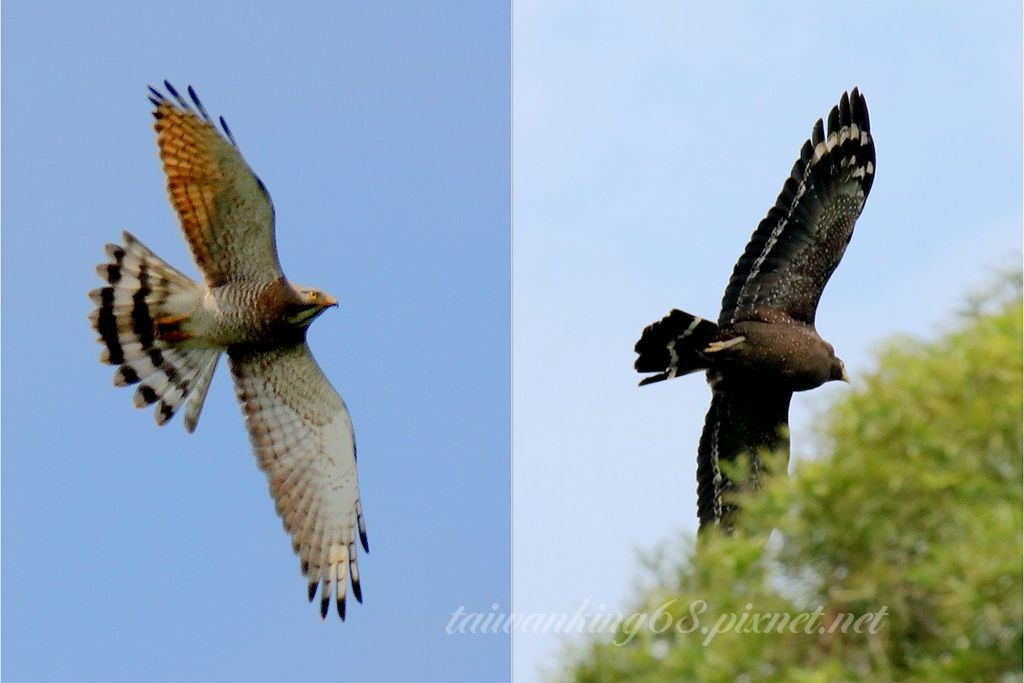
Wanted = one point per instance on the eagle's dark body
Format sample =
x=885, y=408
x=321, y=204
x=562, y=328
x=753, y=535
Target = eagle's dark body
x=764, y=346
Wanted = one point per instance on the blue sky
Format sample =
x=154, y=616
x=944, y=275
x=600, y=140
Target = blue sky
x=650, y=139
x=132, y=552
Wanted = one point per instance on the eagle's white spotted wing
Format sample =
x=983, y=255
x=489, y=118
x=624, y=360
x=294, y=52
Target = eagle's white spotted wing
x=302, y=435
x=225, y=210
x=796, y=248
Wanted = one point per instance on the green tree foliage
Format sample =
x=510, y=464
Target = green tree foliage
x=897, y=554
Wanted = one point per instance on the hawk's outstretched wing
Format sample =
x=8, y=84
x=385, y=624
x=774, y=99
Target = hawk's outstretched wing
x=225, y=210
x=799, y=243
x=743, y=418
x=302, y=435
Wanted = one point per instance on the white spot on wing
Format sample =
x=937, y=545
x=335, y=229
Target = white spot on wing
x=673, y=363
x=715, y=347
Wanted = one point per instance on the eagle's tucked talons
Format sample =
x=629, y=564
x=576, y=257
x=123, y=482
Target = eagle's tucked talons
x=764, y=345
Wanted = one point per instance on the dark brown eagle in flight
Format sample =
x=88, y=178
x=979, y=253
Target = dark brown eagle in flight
x=764, y=346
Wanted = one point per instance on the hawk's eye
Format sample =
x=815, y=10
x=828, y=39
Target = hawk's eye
x=313, y=296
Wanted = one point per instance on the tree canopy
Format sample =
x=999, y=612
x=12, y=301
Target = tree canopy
x=896, y=554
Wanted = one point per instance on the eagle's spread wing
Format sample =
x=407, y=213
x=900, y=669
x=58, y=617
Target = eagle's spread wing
x=302, y=435
x=743, y=419
x=225, y=210
x=799, y=243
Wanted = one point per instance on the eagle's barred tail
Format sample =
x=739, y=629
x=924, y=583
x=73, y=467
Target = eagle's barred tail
x=142, y=291
x=673, y=345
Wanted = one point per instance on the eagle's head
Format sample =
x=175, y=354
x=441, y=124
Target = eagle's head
x=305, y=304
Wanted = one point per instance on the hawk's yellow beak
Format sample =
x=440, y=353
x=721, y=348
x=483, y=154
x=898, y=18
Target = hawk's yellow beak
x=326, y=301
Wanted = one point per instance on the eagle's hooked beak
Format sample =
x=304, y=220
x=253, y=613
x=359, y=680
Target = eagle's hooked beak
x=844, y=377
x=327, y=301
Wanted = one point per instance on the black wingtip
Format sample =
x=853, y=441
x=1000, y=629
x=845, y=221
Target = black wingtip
x=312, y=591
x=363, y=540
x=833, y=120
x=357, y=591
x=844, y=110
x=227, y=131
x=324, y=604
x=199, y=105
x=156, y=98
x=170, y=89
x=341, y=607
x=818, y=133
x=860, y=109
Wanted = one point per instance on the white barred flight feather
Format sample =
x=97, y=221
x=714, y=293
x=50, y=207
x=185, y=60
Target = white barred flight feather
x=291, y=411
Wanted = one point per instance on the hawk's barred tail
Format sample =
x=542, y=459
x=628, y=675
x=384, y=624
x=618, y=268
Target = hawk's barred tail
x=673, y=345
x=145, y=296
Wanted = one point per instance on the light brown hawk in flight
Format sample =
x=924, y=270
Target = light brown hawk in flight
x=166, y=332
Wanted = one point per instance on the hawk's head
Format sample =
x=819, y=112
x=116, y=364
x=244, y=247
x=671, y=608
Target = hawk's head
x=306, y=304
